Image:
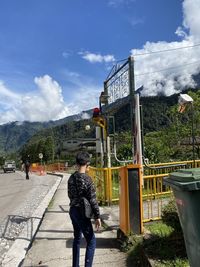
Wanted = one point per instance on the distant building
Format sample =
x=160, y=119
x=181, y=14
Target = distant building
x=73, y=145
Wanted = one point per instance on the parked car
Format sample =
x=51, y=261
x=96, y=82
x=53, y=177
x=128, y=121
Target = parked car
x=9, y=166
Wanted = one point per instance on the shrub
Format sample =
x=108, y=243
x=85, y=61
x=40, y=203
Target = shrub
x=170, y=216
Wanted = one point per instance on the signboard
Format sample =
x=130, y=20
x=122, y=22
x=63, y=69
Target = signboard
x=117, y=84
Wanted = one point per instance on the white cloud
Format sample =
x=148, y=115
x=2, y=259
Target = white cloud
x=6, y=94
x=149, y=68
x=135, y=21
x=117, y=3
x=83, y=91
x=67, y=54
x=85, y=116
x=180, y=32
x=47, y=102
x=86, y=97
x=191, y=17
x=97, y=58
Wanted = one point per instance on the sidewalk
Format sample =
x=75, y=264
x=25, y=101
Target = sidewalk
x=52, y=245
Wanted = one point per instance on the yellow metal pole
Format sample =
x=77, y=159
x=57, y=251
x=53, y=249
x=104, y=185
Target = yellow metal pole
x=107, y=184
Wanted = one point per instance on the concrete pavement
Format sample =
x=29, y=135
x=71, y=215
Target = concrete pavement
x=52, y=245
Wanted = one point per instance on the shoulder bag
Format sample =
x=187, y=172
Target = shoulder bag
x=86, y=209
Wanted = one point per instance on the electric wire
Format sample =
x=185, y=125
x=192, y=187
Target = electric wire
x=166, y=50
x=160, y=51
x=175, y=67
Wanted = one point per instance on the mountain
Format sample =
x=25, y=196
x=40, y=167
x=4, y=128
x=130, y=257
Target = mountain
x=153, y=113
x=15, y=134
x=154, y=116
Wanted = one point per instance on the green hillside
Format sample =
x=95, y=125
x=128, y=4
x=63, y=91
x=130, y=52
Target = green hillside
x=163, y=127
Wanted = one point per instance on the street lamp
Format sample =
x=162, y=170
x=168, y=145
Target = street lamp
x=184, y=100
x=87, y=127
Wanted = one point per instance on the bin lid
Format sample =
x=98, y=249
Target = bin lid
x=186, y=175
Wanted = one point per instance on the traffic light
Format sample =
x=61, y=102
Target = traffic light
x=98, y=118
x=96, y=112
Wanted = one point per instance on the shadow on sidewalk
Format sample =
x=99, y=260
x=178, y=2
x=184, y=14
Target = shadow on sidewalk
x=63, y=209
x=53, y=234
x=101, y=242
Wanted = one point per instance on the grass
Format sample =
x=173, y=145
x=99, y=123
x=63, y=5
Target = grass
x=161, y=245
x=173, y=263
x=160, y=229
x=165, y=246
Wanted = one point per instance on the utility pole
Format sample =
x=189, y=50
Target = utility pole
x=193, y=136
x=132, y=90
x=135, y=116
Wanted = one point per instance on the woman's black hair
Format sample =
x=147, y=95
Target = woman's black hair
x=82, y=158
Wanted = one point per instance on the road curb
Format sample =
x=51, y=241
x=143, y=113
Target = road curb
x=16, y=254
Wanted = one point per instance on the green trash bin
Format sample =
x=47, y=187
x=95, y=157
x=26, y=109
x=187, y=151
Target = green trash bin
x=185, y=184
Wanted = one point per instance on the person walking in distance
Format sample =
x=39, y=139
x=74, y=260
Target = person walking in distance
x=81, y=185
x=27, y=164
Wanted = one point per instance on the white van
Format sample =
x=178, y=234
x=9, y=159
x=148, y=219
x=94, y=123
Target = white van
x=9, y=166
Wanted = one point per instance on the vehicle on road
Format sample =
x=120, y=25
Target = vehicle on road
x=9, y=166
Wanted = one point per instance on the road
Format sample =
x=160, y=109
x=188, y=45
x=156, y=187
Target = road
x=18, y=200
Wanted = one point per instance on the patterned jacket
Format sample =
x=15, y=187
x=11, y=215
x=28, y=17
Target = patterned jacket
x=81, y=185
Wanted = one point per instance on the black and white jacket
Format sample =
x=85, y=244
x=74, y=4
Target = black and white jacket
x=81, y=185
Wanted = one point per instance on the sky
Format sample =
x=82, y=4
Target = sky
x=56, y=54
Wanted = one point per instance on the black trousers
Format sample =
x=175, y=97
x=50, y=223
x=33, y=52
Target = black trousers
x=27, y=173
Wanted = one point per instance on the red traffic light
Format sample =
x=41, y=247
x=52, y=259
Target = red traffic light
x=98, y=118
x=96, y=112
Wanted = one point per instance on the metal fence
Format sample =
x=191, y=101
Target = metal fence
x=155, y=194
x=107, y=183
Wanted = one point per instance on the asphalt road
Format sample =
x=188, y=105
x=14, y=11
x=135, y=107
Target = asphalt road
x=15, y=190
x=19, y=198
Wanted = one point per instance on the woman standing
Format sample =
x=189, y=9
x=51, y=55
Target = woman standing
x=81, y=185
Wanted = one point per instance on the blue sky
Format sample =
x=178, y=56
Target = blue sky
x=55, y=55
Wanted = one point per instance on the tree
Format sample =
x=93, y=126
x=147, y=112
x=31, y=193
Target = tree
x=124, y=146
x=49, y=149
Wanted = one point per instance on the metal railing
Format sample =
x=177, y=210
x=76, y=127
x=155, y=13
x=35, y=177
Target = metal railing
x=155, y=194
x=107, y=183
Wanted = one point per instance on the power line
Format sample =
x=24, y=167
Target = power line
x=167, y=50
x=160, y=51
x=180, y=66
